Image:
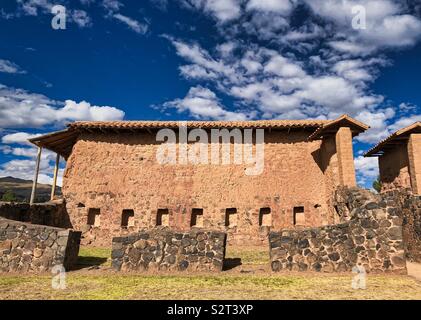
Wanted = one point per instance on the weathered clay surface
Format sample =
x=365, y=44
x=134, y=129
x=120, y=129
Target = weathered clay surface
x=116, y=172
x=162, y=249
x=34, y=248
x=371, y=236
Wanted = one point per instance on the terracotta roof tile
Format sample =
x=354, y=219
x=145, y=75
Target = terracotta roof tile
x=415, y=127
x=196, y=124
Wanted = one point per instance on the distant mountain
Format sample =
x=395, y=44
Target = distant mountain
x=22, y=189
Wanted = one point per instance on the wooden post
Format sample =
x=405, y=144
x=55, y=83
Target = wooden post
x=53, y=187
x=35, y=182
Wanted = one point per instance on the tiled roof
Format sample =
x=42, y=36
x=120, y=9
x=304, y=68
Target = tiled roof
x=356, y=126
x=400, y=135
x=62, y=142
x=196, y=124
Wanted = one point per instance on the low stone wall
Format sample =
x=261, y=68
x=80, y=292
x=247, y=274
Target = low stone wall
x=371, y=236
x=163, y=249
x=409, y=209
x=28, y=247
x=52, y=214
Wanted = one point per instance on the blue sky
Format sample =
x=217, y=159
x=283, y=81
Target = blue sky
x=205, y=59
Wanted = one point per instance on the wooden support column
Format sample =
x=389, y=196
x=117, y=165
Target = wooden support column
x=35, y=182
x=53, y=187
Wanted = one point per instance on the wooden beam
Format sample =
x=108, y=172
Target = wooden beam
x=53, y=187
x=35, y=182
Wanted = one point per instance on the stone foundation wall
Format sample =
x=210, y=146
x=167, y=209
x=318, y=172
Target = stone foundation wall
x=28, y=247
x=370, y=235
x=52, y=214
x=162, y=249
x=409, y=209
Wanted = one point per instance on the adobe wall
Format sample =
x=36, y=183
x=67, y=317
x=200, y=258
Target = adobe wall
x=116, y=172
x=34, y=248
x=52, y=214
x=394, y=168
x=371, y=236
x=161, y=249
x=414, y=156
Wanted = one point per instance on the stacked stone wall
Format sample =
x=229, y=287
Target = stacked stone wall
x=52, y=214
x=28, y=247
x=162, y=249
x=370, y=234
x=409, y=209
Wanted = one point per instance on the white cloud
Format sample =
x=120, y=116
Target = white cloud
x=202, y=103
x=367, y=169
x=133, y=24
x=7, y=66
x=387, y=25
x=282, y=67
x=81, y=18
x=18, y=138
x=24, y=169
x=35, y=7
x=280, y=6
x=222, y=10
x=22, y=109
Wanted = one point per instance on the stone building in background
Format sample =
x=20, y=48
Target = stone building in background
x=400, y=159
x=113, y=184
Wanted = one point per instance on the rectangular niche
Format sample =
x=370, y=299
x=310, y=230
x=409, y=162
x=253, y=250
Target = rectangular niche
x=265, y=217
x=196, y=218
x=94, y=215
x=162, y=217
x=127, y=218
x=299, y=216
x=231, y=217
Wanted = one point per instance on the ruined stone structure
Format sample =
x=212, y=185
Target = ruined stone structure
x=400, y=159
x=28, y=247
x=113, y=184
x=370, y=235
x=162, y=249
x=53, y=214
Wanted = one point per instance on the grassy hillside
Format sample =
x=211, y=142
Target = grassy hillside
x=22, y=189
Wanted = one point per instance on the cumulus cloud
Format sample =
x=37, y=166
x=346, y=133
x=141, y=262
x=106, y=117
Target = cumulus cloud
x=367, y=169
x=202, y=103
x=222, y=10
x=22, y=109
x=18, y=138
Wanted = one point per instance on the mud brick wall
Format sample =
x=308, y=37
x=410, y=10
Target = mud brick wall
x=34, y=248
x=164, y=249
x=297, y=174
x=371, y=235
x=52, y=214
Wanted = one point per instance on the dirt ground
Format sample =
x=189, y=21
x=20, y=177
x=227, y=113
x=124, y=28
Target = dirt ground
x=247, y=276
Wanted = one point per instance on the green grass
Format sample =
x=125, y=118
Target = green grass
x=106, y=284
x=130, y=286
x=89, y=256
x=249, y=255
